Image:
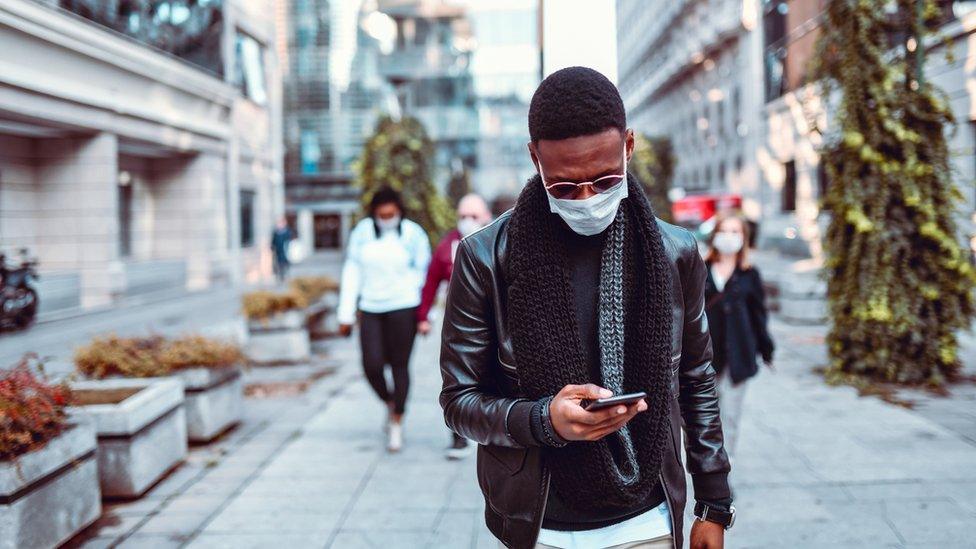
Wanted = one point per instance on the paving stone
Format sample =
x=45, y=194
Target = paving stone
x=140, y=541
x=265, y=523
x=260, y=541
x=173, y=523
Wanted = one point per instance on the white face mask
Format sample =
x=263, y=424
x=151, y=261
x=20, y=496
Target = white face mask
x=468, y=225
x=728, y=243
x=388, y=224
x=591, y=215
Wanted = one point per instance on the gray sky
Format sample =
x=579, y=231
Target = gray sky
x=580, y=32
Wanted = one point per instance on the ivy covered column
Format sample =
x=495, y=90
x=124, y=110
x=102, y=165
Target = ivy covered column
x=900, y=285
x=399, y=154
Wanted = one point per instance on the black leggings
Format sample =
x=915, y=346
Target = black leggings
x=387, y=338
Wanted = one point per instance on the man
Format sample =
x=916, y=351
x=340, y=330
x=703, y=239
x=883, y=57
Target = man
x=577, y=294
x=472, y=214
x=280, y=238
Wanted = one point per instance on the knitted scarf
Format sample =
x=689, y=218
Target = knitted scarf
x=620, y=471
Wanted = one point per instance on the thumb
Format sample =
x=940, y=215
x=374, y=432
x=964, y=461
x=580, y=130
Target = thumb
x=591, y=391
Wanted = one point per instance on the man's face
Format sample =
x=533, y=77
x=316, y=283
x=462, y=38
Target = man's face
x=582, y=159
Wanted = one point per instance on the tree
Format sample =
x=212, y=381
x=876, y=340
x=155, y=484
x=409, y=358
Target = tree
x=653, y=163
x=899, y=284
x=458, y=186
x=399, y=155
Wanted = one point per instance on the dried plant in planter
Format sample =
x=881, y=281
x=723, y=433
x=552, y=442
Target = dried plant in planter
x=312, y=288
x=31, y=410
x=124, y=356
x=198, y=351
x=265, y=304
x=152, y=356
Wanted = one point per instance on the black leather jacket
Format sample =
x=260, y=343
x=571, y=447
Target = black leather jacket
x=481, y=387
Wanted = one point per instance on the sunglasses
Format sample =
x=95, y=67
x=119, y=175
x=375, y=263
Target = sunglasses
x=570, y=190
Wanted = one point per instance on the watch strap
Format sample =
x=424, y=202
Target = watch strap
x=718, y=516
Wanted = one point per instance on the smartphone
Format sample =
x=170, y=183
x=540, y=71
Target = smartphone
x=601, y=403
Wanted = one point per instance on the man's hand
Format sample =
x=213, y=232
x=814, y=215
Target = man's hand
x=345, y=330
x=572, y=422
x=423, y=327
x=707, y=535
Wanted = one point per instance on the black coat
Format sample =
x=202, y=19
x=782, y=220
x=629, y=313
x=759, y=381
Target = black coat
x=481, y=393
x=737, y=320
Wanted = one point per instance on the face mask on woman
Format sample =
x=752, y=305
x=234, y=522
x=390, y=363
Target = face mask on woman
x=388, y=224
x=728, y=243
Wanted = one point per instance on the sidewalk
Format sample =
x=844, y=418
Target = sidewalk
x=816, y=466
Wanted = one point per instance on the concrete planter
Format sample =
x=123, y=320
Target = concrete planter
x=50, y=494
x=214, y=400
x=141, y=426
x=279, y=339
x=322, y=320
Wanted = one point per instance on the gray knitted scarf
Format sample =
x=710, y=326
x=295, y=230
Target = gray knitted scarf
x=620, y=471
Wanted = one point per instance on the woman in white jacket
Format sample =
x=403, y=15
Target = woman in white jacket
x=386, y=261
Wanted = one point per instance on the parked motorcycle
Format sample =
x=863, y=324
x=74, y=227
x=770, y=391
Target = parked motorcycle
x=18, y=298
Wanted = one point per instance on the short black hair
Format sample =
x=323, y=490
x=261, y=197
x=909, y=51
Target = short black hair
x=574, y=102
x=385, y=195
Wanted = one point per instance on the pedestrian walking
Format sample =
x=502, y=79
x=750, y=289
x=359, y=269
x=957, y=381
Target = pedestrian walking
x=281, y=237
x=579, y=294
x=386, y=261
x=472, y=214
x=736, y=308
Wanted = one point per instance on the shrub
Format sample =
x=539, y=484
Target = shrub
x=124, y=356
x=152, y=356
x=312, y=288
x=31, y=410
x=264, y=304
x=197, y=351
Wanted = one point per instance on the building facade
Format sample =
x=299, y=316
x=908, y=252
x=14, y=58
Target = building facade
x=333, y=96
x=465, y=68
x=140, y=146
x=689, y=70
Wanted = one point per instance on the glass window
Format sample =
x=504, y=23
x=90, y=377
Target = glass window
x=125, y=219
x=774, y=51
x=249, y=73
x=247, y=218
x=188, y=29
x=789, y=187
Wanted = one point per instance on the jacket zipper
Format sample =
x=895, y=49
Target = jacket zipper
x=667, y=498
x=545, y=500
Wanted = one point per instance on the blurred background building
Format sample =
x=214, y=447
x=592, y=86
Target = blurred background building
x=690, y=71
x=465, y=68
x=139, y=145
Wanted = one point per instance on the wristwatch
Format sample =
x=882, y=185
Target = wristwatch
x=718, y=516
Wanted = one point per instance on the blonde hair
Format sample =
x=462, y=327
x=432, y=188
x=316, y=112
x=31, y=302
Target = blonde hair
x=742, y=257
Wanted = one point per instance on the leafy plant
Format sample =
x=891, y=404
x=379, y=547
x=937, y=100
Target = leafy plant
x=263, y=304
x=312, y=288
x=399, y=155
x=899, y=283
x=152, y=356
x=653, y=163
x=31, y=410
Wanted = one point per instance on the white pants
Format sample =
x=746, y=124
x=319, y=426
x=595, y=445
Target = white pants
x=730, y=403
x=663, y=542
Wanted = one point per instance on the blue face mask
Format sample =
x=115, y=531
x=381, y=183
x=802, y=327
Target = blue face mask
x=591, y=215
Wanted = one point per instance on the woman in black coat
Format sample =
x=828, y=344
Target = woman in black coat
x=735, y=305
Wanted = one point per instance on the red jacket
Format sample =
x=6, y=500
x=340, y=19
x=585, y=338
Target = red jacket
x=441, y=265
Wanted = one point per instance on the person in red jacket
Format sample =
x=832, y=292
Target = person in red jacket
x=472, y=214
